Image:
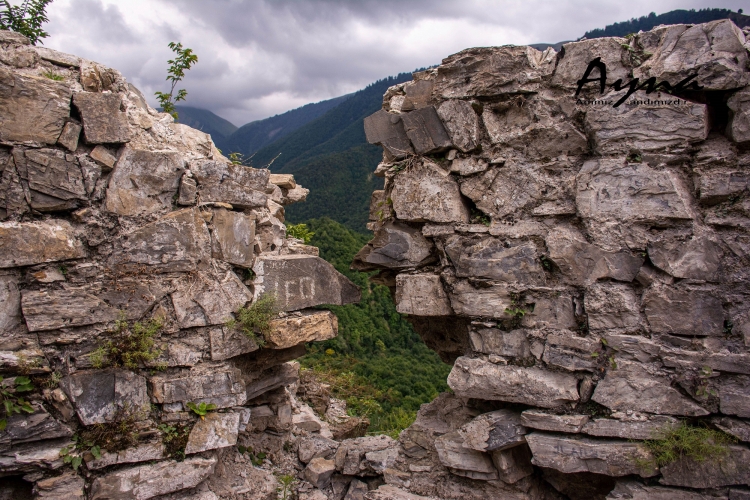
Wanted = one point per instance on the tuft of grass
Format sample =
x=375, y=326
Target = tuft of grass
x=118, y=435
x=53, y=76
x=255, y=320
x=300, y=232
x=175, y=439
x=686, y=441
x=131, y=347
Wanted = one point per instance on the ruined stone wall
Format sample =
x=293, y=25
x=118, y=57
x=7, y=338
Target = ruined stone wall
x=112, y=214
x=583, y=266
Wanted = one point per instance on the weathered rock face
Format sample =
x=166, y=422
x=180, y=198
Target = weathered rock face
x=589, y=251
x=126, y=248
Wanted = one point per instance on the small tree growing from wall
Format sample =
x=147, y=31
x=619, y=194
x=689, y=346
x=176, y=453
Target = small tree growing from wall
x=26, y=19
x=184, y=61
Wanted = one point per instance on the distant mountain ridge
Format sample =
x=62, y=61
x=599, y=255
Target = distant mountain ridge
x=208, y=122
x=646, y=23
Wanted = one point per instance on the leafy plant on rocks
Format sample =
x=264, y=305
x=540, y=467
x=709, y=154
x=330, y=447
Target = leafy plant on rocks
x=255, y=320
x=300, y=231
x=184, y=60
x=131, y=346
x=53, y=76
x=175, y=439
x=696, y=443
x=73, y=454
x=12, y=402
x=201, y=409
x=119, y=434
x=26, y=19
x=287, y=483
x=257, y=459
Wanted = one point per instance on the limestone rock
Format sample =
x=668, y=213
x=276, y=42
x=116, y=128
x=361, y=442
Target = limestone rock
x=474, y=378
x=513, y=464
x=421, y=295
x=577, y=55
x=103, y=121
x=29, y=243
x=424, y=193
x=584, y=263
x=285, y=181
x=490, y=71
x=211, y=301
x=395, y=246
x=494, y=341
x=387, y=492
x=233, y=234
x=36, y=426
x=387, y=130
x=54, y=177
x=32, y=457
x=496, y=430
x=69, y=135
x=740, y=429
x=215, y=430
x=637, y=430
x=238, y=185
x=646, y=126
x=143, y=182
x=719, y=186
x=734, y=398
x=188, y=193
x=143, y=452
x=301, y=281
x=739, y=125
x=489, y=302
x=461, y=123
x=319, y=472
x=631, y=387
x=499, y=192
x=68, y=486
x=730, y=469
x=632, y=490
x=425, y=131
x=350, y=458
x=698, y=258
x=98, y=394
x=32, y=109
x=468, y=166
x=148, y=481
x=613, y=189
x=230, y=342
x=316, y=446
x=569, y=455
x=306, y=419
x=683, y=311
x=571, y=352
x=491, y=258
x=464, y=461
x=309, y=326
x=612, y=306
x=571, y=424
x=220, y=384
x=179, y=241
x=714, y=51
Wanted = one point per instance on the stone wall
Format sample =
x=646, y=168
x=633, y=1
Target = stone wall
x=113, y=216
x=583, y=266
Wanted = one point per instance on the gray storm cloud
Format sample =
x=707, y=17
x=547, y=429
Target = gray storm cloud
x=258, y=58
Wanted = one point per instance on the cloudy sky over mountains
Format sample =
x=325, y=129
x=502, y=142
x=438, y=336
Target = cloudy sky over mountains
x=258, y=58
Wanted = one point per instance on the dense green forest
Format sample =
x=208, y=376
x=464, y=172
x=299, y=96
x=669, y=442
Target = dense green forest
x=645, y=23
x=376, y=350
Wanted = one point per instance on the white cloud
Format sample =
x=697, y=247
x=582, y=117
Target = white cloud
x=262, y=57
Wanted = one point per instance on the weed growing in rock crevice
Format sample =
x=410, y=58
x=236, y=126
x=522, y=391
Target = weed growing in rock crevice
x=175, y=439
x=255, y=320
x=130, y=347
x=11, y=401
x=686, y=441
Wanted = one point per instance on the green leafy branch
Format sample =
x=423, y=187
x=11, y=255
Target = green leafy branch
x=184, y=61
x=73, y=454
x=300, y=232
x=201, y=409
x=26, y=19
x=12, y=403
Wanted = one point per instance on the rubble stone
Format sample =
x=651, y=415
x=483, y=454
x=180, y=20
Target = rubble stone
x=395, y=246
x=29, y=243
x=103, y=121
x=309, y=326
x=98, y=395
x=215, y=430
x=425, y=131
x=421, y=295
x=496, y=430
x=464, y=461
x=424, y=193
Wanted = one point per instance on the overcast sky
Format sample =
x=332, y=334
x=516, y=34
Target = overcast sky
x=258, y=58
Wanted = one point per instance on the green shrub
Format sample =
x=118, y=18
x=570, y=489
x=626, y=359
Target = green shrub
x=201, y=409
x=131, y=346
x=300, y=232
x=12, y=402
x=686, y=441
x=176, y=72
x=255, y=320
x=53, y=76
x=26, y=19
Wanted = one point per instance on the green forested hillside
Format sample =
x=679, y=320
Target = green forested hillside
x=208, y=122
x=374, y=343
x=252, y=136
x=646, y=23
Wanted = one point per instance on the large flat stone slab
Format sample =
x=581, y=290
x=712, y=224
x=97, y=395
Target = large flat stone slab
x=491, y=258
x=683, y=311
x=425, y=193
x=395, y=246
x=307, y=326
x=177, y=242
x=54, y=178
x=302, y=281
x=220, y=384
x=421, y=295
x=215, y=430
x=238, y=185
x=32, y=109
x=631, y=387
x=98, y=395
x=496, y=430
x=102, y=117
x=488, y=302
x=612, y=189
x=495, y=341
x=143, y=182
x=464, y=461
x=151, y=480
x=569, y=455
x=29, y=243
x=387, y=130
x=475, y=378
x=233, y=235
x=425, y=131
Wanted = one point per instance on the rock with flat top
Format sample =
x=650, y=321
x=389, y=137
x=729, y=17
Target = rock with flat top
x=319, y=471
x=98, y=395
x=308, y=326
x=215, y=430
x=238, y=185
x=475, y=378
x=220, y=384
x=387, y=130
x=421, y=295
x=492, y=258
x=464, y=461
x=425, y=193
x=496, y=430
x=570, y=424
x=29, y=243
x=103, y=120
